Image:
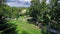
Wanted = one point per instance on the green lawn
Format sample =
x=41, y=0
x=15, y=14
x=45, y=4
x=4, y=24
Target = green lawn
x=23, y=27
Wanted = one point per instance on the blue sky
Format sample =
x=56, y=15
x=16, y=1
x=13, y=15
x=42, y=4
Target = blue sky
x=18, y=3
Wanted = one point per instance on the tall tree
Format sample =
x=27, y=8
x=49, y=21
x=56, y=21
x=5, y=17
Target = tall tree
x=48, y=14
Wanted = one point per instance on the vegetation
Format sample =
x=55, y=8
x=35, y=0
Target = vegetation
x=46, y=14
x=44, y=18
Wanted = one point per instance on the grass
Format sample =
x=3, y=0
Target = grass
x=23, y=27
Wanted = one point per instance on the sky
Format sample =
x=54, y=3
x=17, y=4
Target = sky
x=18, y=3
x=47, y=1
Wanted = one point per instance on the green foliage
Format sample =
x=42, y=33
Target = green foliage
x=41, y=12
x=8, y=11
x=23, y=27
x=6, y=28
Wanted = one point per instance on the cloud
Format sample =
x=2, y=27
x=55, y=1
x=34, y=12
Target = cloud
x=47, y=1
x=14, y=4
x=10, y=0
x=18, y=3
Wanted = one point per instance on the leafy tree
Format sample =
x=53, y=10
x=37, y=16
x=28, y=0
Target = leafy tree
x=55, y=16
x=39, y=11
x=5, y=11
x=48, y=14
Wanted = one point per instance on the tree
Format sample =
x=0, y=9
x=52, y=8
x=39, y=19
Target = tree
x=38, y=10
x=55, y=16
x=5, y=11
x=48, y=14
